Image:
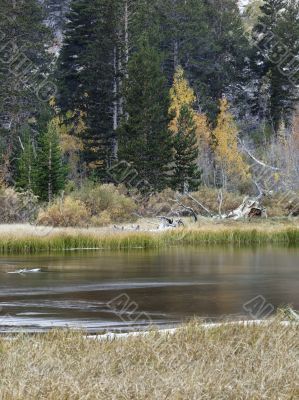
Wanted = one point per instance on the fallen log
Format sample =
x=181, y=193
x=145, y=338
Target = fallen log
x=250, y=208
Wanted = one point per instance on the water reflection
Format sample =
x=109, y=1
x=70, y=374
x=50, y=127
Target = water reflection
x=169, y=285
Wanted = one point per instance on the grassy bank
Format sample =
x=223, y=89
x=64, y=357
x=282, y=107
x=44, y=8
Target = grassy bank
x=229, y=362
x=32, y=240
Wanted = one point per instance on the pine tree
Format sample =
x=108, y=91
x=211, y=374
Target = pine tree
x=56, y=11
x=49, y=176
x=26, y=163
x=225, y=68
x=87, y=74
x=276, y=36
x=145, y=141
x=23, y=64
x=207, y=38
x=186, y=175
x=183, y=127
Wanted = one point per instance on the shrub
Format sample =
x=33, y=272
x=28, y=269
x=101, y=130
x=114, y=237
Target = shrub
x=106, y=200
x=165, y=202
x=104, y=219
x=17, y=206
x=159, y=204
x=209, y=198
x=282, y=204
x=64, y=212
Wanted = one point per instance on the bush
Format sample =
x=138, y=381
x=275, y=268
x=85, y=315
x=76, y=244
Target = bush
x=282, y=204
x=64, y=213
x=106, y=203
x=159, y=204
x=164, y=203
x=104, y=219
x=17, y=206
x=209, y=198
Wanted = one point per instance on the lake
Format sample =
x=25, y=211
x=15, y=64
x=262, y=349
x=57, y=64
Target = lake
x=121, y=291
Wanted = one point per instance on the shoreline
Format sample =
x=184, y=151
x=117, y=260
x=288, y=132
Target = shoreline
x=29, y=239
x=203, y=325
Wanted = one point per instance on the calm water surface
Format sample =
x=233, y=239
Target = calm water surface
x=164, y=286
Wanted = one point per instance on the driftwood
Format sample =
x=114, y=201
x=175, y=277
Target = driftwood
x=167, y=222
x=250, y=208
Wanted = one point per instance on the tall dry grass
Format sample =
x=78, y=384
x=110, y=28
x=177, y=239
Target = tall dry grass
x=239, y=234
x=229, y=362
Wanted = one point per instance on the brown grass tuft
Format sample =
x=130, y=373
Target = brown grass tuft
x=228, y=362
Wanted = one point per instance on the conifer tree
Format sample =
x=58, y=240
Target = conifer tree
x=23, y=64
x=145, y=141
x=87, y=70
x=49, y=177
x=276, y=36
x=186, y=174
x=26, y=163
x=225, y=68
x=208, y=40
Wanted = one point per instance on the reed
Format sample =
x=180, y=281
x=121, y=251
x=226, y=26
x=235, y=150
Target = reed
x=224, y=363
x=62, y=240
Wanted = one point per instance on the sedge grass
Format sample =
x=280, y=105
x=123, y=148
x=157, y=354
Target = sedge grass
x=224, y=363
x=33, y=241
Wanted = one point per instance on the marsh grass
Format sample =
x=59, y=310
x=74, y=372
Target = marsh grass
x=227, y=362
x=32, y=240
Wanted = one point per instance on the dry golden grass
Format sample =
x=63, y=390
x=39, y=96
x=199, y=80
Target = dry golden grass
x=228, y=362
x=29, y=239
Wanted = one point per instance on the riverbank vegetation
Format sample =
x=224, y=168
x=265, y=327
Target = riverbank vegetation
x=32, y=239
x=151, y=97
x=96, y=205
x=221, y=363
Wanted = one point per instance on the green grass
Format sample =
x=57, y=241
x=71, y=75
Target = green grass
x=212, y=234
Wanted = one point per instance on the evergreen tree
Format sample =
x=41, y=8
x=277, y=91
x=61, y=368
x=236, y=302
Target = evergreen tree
x=26, y=163
x=276, y=36
x=145, y=141
x=225, y=67
x=56, y=11
x=87, y=76
x=207, y=38
x=49, y=177
x=23, y=64
x=186, y=175
x=183, y=127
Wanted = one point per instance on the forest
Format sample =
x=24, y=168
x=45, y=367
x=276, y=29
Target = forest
x=149, y=199
x=111, y=109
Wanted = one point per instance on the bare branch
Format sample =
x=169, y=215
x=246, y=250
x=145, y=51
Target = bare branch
x=220, y=201
x=200, y=204
x=255, y=159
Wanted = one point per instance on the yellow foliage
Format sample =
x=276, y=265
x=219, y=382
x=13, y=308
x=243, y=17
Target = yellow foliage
x=52, y=102
x=226, y=144
x=203, y=131
x=69, y=128
x=64, y=212
x=181, y=94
